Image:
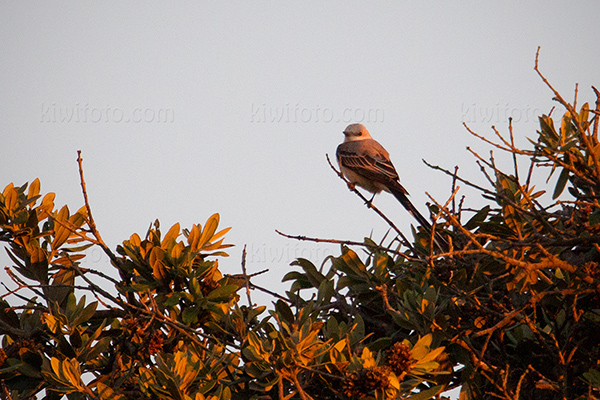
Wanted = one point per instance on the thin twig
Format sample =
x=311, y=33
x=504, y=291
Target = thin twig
x=90, y=220
x=532, y=164
x=573, y=112
x=454, y=179
x=13, y=292
x=246, y=279
x=5, y=392
x=506, y=147
x=347, y=243
x=596, y=116
x=22, y=283
x=256, y=287
x=466, y=182
x=301, y=392
x=370, y=205
x=512, y=144
x=436, y=236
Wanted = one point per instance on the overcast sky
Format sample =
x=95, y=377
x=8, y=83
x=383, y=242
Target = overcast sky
x=184, y=109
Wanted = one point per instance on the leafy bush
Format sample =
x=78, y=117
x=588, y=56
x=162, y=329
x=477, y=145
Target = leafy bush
x=508, y=307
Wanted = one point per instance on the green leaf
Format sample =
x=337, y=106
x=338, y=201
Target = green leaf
x=193, y=238
x=209, y=230
x=478, y=218
x=326, y=291
x=8, y=315
x=421, y=349
x=223, y=292
x=313, y=275
x=34, y=189
x=560, y=184
x=171, y=235
x=432, y=355
x=222, y=232
x=106, y=393
x=594, y=217
x=294, y=275
x=190, y=315
x=593, y=377
x=87, y=313
x=380, y=344
x=173, y=299
x=548, y=131
x=61, y=232
x=466, y=392
x=583, y=114
x=332, y=327
x=284, y=311
x=61, y=287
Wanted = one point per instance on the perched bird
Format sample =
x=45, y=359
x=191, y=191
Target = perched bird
x=364, y=162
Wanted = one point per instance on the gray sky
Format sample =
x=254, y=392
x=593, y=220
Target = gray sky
x=183, y=109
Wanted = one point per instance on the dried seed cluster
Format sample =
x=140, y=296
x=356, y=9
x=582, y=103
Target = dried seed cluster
x=398, y=358
x=363, y=382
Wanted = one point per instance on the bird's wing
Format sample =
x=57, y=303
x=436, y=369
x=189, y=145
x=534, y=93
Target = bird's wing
x=367, y=158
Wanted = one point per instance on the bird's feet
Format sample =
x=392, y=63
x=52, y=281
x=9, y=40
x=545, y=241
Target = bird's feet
x=369, y=202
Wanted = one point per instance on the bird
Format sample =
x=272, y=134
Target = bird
x=366, y=163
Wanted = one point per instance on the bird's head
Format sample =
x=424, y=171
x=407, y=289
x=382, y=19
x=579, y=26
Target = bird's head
x=356, y=132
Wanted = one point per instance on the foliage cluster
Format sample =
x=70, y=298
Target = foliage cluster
x=508, y=307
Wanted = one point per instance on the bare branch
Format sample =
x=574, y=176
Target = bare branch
x=596, y=116
x=90, y=219
x=347, y=243
x=246, y=279
x=589, y=145
x=458, y=178
x=370, y=205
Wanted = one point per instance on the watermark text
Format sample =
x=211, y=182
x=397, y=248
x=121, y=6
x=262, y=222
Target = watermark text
x=285, y=254
x=499, y=113
x=298, y=113
x=84, y=113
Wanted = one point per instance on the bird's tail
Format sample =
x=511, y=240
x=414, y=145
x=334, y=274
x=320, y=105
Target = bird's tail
x=401, y=195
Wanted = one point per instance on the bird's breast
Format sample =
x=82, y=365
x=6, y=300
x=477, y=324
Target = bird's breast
x=367, y=184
